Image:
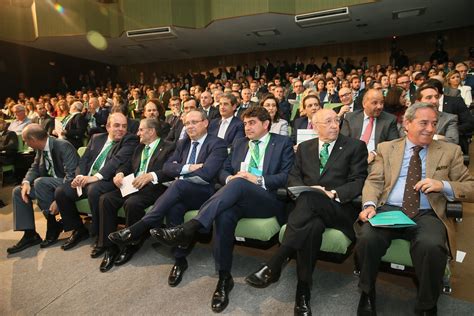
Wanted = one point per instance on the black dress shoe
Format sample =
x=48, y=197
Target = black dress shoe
x=123, y=237
x=97, y=251
x=126, y=253
x=53, y=231
x=173, y=236
x=176, y=274
x=109, y=258
x=263, y=277
x=25, y=242
x=367, y=304
x=76, y=237
x=220, y=298
x=427, y=312
x=302, y=305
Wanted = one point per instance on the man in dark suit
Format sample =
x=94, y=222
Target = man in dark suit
x=371, y=124
x=146, y=164
x=206, y=106
x=311, y=105
x=246, y=102
x=336, y=166
x=228, y=127
x=416, y=175
x=136, y=104
x=43, y=119
x=195, y=163
x=283, y=104
x=456, y=105
x=178, y=131
x=75, y=125
x=175, y=107
x=105, y=153
x=330, y=94
x=54, y=163
x=8, y=144
x=248, y=192
x=466, y=79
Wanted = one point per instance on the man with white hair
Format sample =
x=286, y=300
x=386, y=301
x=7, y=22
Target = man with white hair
x=74, y=125
x=21, y=120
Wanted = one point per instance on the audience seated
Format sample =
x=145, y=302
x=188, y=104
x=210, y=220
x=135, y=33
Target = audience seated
x=20, y=121
x=228, y=127
x=278, y=124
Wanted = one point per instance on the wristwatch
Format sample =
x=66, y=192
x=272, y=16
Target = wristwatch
x=259, y=180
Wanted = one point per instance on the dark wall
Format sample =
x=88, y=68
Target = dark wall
x=28, y=69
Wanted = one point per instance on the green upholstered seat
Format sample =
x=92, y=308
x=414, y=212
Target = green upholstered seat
x=334, y=241
x=398, y=253
x=6, y=168
x=262, y=229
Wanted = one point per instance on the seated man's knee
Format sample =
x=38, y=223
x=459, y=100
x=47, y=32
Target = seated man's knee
x=38, y=182
x=430, y=246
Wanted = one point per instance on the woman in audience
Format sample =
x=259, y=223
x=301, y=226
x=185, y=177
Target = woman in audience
x=320, y=86
x=51, y=107
x=432, y=72
x=396, y=104
x=62, y=108
x=453, y=80
x=279, y=125
x=30, y=110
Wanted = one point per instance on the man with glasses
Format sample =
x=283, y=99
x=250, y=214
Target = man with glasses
x=195, y=163
x=404, y=82
x=21, y=120
x=466, y=79
x=178, y=131
x=335, y=166
x=345, y=94
x=371, y=124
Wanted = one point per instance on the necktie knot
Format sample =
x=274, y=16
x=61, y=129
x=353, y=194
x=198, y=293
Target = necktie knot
x=256, y=142
x=195, y=144
x=325, y=146
x=417, y=149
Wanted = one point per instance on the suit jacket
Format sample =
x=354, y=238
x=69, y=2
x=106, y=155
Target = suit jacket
x=65, y=160
x=159, y=157
x=101, y=116
x=444, y=162
x=456, y=105
x=46, y=123
x=241, y=109
x=385, y=127
x=234, y=131
x=448, y=127
x=8, y=147
x=175, y=132
x=132, y=106
x=212, y=154
x=334, y=98
x=298, y=123
x=119, y=154
x=285, y=110
x=277, y=161
x=213, y=113
x=132, y=126
x=75, y=130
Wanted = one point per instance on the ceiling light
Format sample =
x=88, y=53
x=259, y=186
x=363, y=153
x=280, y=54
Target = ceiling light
x=265, y=33
x=408, y=13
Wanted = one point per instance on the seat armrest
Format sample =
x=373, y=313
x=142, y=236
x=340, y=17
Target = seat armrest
x=454, y=210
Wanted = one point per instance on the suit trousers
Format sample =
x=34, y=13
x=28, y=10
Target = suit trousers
x=237, y=199
x=134, y=206
x=313, y=213
x=66, y=197
x=42, y=190
x=427, y=249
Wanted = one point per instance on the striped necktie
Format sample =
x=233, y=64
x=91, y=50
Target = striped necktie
x=323, y=157
x=144, y=160
x=101, y=159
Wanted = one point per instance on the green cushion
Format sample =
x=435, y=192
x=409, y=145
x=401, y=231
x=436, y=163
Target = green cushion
x=6, y=168
x=262, y=229
x=399, y=253
x=83, y=207
x=81, y=151
x=333, y=240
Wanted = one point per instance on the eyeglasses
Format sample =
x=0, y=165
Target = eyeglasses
x=329, y=122
x=345, y=95
x=404, y=82
x=192, y=122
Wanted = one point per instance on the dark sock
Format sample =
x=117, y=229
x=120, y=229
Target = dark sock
x=180, y=261
x=224, y=274
x=302, y=288
x=191, y=227
x=281, y=256
x=138, y=229
x=30, y=233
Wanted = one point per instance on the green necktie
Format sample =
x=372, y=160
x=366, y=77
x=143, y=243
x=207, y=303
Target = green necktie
x=100, y=160
x=323, y=157
x=255, y=158
x=145, y=157
x=49, y=163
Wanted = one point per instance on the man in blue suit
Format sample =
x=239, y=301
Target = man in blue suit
x=257, y=166
x=227, y=127
x=195, y=163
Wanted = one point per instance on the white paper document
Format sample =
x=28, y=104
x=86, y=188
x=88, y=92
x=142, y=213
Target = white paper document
x=460, y=256
x=304, y=135
x=296, y=191
x=127, y=187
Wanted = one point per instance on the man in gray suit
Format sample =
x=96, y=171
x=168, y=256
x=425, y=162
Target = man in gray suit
x=447, y=127
x=54, y=163
x=371, y=124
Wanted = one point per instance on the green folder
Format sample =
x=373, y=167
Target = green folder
x=332, y=106
x=391, y=219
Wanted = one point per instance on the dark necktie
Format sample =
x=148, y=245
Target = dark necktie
x=192, y=157
x=48, y=163
x=323, y=157
x=411, y=198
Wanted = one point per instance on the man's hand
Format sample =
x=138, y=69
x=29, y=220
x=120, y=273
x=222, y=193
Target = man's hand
x=118, y=179
x=429, y=185
x=142, y=180
x=25, y=191
x=195, y=167
x=76, y=182
x=367, y=213
x=245, y=175
x=85, y=180
x=328, y=193
x=53, y=208
x=344, y=109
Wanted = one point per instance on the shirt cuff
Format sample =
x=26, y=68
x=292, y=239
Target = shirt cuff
x=263, y=183
x=227, y=179
x=448, y=191
x=369, y=203
x=25, y=181
x=155, y=178
x=99, y=176
x=185, y=169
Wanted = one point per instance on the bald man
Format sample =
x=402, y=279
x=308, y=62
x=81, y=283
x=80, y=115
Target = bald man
x=371, y=124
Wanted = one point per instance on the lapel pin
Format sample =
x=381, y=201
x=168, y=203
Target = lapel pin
x=340, y=147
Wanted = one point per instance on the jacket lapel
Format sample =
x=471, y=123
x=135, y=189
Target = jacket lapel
x=358, y=127
x=335, y=153
x=433, y=157
x=395, y=161
x=268, y=154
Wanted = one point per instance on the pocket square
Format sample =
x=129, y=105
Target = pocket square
x=441, y=167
